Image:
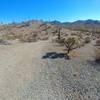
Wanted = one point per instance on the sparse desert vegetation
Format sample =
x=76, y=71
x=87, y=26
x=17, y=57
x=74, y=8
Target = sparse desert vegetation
x=49, y=49
x=36, y=61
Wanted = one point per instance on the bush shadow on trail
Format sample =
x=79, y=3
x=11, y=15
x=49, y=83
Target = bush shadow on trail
x=55, y=55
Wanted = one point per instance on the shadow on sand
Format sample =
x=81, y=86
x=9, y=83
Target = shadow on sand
x=55, y=55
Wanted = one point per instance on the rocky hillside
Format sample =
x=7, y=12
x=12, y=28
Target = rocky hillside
x=31, y=31
x=25, y=31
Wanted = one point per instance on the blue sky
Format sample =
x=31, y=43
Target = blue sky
x=62, y=10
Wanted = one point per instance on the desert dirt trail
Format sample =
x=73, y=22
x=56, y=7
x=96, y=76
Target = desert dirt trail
x=38, y=71
x=23, y=74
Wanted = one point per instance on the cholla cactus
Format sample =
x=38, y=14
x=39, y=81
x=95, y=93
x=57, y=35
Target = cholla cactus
x=71, y=43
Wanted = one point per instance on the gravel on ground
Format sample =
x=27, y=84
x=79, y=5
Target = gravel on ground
x=26, y=75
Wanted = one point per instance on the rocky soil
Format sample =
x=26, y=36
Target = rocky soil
x=39, y=71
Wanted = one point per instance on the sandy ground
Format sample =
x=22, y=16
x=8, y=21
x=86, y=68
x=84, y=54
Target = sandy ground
x=19, y=65
x=24, y=75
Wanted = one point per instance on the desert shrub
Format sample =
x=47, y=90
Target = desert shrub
x=81, y=43
x=60, y=41
x=97, y=50
x=97, y=53
x=70, y=43
x=73, y=34
x=9, y=36
x=32, y=37
x=98, y=42
x=94, y=38
x=44, y=38
x=80, y=35
x=87, y=40
x=3, y=42
x=56, y=40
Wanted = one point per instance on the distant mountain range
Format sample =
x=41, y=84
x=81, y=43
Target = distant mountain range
x=83, y=25
x=88, y=22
